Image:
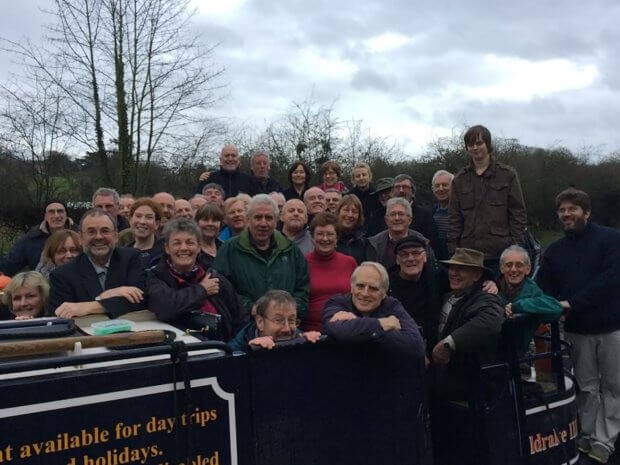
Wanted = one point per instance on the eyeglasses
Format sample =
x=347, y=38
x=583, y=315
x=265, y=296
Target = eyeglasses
x=412, y=253
x=325, y=235
x=397, y=214
x=292, y=322
x=403, y=187
x=102, y=231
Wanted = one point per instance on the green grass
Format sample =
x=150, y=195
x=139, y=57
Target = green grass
x=547, y=236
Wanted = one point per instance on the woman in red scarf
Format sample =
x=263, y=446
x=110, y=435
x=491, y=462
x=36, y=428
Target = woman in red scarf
x=179, y=288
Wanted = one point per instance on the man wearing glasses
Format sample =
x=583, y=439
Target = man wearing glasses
x=275, y=320
x=367, y=314
x=103, y=278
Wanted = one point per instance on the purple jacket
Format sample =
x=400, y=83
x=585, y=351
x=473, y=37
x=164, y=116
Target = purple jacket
x=406, y=341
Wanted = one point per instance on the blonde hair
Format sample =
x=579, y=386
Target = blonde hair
x=32, y=279
x=358, y=165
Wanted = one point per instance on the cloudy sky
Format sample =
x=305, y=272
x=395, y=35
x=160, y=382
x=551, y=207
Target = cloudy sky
x=547, y=73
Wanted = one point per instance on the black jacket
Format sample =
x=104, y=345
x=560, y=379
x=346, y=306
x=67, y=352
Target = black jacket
x=77, y=281
x=366, y=327
x=424, y=223
x=291, y=193
x=369, y=203
x=27, y=250
x=169, y=299
x=354, y=244
x=378, y=247
x=232, y=182
x=268, y=186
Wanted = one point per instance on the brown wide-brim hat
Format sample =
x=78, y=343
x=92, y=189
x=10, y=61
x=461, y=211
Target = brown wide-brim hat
x=468, y=257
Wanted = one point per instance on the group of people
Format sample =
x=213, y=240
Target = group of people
x=361, y=264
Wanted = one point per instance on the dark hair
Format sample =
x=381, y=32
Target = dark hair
x=54, y=201
x=323, y=219
x=352, y=199
x=181, y=225
x=579, y=198
x=405, y=177
x=275, y=295
x=474, y=133
x=146, y=202
x=214, y=185
x=210, y=211
x=55, y=241
x=330, y=165
x=306, y=170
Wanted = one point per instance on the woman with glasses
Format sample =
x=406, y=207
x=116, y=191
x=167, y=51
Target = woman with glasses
x=351, y=240
x=181, y=290
x=60, y=248
x=330, y=271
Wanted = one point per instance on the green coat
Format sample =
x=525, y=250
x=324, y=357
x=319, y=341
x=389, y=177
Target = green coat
x=533, y=301
x=252, y=275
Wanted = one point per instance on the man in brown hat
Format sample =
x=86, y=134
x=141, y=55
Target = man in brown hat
x=470, y=320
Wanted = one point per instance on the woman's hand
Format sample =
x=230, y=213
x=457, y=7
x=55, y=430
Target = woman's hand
x=211, y=285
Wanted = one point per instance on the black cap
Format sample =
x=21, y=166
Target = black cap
x=413, y=240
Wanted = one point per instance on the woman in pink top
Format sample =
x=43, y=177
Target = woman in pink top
x=330, y=271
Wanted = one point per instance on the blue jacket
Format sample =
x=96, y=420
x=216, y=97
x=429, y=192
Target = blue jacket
x=585, y=271
x=406, y=341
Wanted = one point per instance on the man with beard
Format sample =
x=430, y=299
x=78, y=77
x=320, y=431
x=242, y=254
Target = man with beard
x=294, y=218
x=261, y=258
x=103, y=278
x=27, y=250
x=232, y=180
x=375, y=222
x=581, y=270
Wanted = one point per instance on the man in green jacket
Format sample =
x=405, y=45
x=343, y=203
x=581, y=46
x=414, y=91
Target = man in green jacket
x=522, y=295
x=261, y=258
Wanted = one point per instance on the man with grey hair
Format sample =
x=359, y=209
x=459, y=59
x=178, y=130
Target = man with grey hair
x=294, y=217
x=332, y=197
x=108, y=200
x=261, y=258
x=521, y=294
x=422, y=218
x=398, y=219
x=260, y=166
x=368, y=315
x=441, y=183
x=103, y=278
x=232, y=180
x=314, y=198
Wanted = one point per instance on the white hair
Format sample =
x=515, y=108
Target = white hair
x=515, y=248
x=399, y=201
x=385, y=279
x=262, y=199
x=441, y=173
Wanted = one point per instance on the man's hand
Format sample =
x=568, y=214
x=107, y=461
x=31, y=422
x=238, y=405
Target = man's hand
x=489, y=287
x=342, y=316
x=211, y=285
x=390, y=323
x=131, y=293
x=441, y=354
x=266, y=342
x=205, y=176
x=311, y=336
x=508, y=310
x=565, y=305
x=75, y=309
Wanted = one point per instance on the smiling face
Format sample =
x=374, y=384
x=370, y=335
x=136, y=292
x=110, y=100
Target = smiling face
x=330, y=177
x=99, y=237
x=397, y=220
x=298, y=176
x=331, y=200
x=66, y=252
x=55, y=216
x=314, y=198
x=210, y=228
x=366, y=289
x=260, y=166
x=463, y=277
x=229, y=158
x=572, y=217
x=515, y=268
x=348, y=217
x=182, y=248
x=361, y=178
x=279, y=322
x=107, y=204
x=325, y=239
x=26, y=302
x=235, y=216
x=183, y=209
x=441, y=188
x=166, y=202
x=126, y=203
x=478, y=151
x=411, y=261
x=143, y=222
